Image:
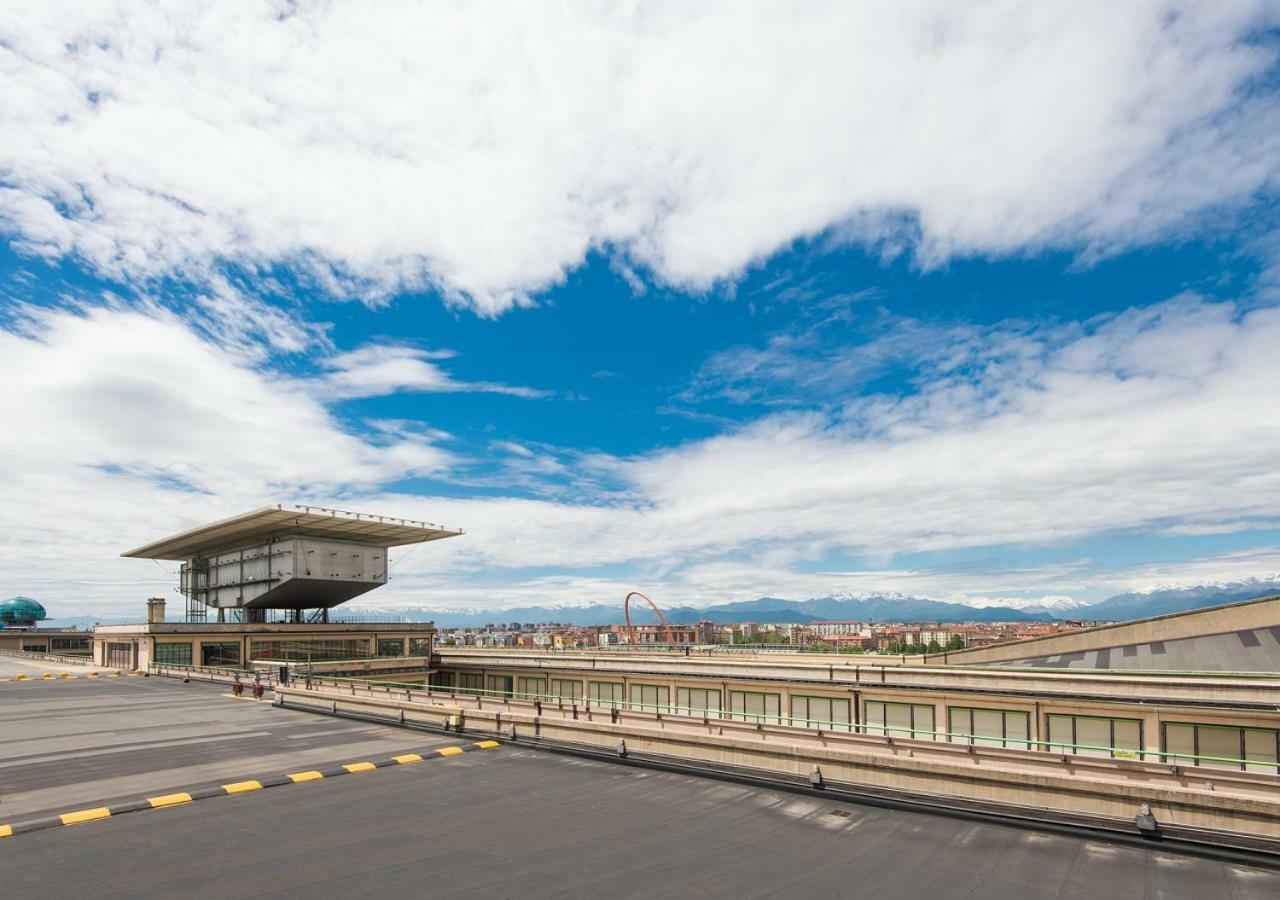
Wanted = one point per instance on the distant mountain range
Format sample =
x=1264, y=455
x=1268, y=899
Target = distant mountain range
x=869, y=608
x=862, y=608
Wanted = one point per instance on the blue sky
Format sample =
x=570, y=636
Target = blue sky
x=974, y=306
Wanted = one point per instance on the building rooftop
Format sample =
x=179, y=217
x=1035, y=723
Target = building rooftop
x=283, y=520
x=510, y=822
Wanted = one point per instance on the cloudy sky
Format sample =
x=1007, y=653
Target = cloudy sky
x=969, y=302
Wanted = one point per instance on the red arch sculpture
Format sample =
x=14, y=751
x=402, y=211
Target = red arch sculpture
x=631, y=629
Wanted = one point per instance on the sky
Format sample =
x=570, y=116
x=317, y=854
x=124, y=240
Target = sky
x=972, y=302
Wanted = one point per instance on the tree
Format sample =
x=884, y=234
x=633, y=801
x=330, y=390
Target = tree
x=934, y=646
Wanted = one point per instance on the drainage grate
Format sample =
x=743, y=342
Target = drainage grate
x=842, y=813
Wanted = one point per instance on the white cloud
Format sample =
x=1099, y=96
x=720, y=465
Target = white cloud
x=126, y=424
x=486, y=149
x=372, y=371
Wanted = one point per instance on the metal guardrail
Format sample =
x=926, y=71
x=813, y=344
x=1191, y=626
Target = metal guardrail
x=897, y=732
x=49, y=657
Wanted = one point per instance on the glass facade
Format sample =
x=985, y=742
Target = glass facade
x=499, y=686
x=750, y=706
x=531, y=688
x=698, y=701
x=826, y=713
x=566, y=690
x=470, y=682
x=77, y=646
x=989, y=727
x=174, y=654
x=1226, y=746
x=391, y=646
x=606, y=693
x=914, y=720
x=419, y=646
x=1095, y=736
x=309, y=651
x=650, y=697
x=220, y=654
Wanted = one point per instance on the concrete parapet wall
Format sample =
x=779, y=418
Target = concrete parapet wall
x=1244, y=806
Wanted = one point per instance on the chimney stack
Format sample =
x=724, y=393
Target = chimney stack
x=155, y=610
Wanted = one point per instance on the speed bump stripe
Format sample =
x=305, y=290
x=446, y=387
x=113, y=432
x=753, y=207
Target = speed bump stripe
x=236, y=787
x=239, y=787
x=169, y=800
x=84, y=815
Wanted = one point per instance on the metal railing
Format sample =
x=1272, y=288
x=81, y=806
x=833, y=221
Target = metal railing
x=808, y=723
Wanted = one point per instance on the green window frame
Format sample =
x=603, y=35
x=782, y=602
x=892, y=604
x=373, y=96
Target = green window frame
x=566, y=690
x=531, y=687
x=890, y=719
x=755, y=706
x=985, y=727
x=1242, y=748
x=606, y=693
x=650, y=697
x=698, y=701
x=823, y=713
x=176, y=653
x=1103, y=736
x=470, y=682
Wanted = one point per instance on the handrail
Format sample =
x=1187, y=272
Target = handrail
x=862, y=728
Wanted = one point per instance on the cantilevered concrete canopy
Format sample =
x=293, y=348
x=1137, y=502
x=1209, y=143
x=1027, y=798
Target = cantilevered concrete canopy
x=292, y=521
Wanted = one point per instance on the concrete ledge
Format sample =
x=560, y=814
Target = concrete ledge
x=1247, y=811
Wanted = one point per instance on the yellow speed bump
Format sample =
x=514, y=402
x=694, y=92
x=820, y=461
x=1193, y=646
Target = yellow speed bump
x=360, y=767
x=47, y=676
x=64, y=674
x=450, y=751
x=19, y=677
x=93, y=674
x=6, y=831
x=239, y=787
x=85, y=815
x=487, y=745
x=312, y=775
x=169, y=800
x=408, y=758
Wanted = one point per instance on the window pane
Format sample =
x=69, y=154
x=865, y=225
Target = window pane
x=1060, y=733
x=1220, y=742
x=173, y=654
x=924, y=723
x=1260, y=749
x=1094, y=735
x=1128, y=738
x=1017, y=730
x=897, y=716
x=988, y=728
x=961, y=723
x=875, y=717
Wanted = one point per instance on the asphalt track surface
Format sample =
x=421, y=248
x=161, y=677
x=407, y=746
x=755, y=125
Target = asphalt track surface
x=66, y=745
x=512, y=822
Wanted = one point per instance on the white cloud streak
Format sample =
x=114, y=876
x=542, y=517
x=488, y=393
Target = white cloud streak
x=487, y=149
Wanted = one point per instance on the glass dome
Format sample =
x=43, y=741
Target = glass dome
x=21, y=610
